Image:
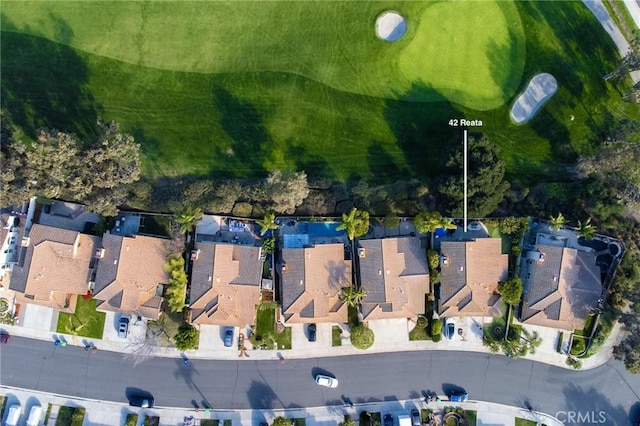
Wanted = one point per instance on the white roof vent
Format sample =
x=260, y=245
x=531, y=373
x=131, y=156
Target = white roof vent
x=362, y=253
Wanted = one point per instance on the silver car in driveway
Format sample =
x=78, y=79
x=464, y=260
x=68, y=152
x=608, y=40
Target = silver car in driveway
x=123, y=326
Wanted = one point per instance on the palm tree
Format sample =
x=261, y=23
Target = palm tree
x=557, y=222
x=267, y=223
x=446, y=223
x=352, y=295
x=356, y=223
x=188, y=217
x=586, y=229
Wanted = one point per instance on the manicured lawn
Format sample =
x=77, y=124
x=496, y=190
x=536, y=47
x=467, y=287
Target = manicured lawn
x=336, y=336
x=252, y=99
x=524, y=422
x=132, y=420
x=155, y=225
x=69, y=416
x=86, y=321
x=588, y=326
x=494, y=232
x=209, y=422
x=265, y=330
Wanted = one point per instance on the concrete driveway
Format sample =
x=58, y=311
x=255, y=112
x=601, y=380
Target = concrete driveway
x=389, y=330
x=38, y=317
x=300, y=336
x=212, y=338
x=137, y=329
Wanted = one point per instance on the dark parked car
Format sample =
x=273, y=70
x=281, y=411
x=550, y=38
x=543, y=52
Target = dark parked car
x=312, y=332
x=123, y=326
x=4, y=338
x=228, y=336
x=388, y=420
x=416, y=420
x=458, y=396
x=143, y=401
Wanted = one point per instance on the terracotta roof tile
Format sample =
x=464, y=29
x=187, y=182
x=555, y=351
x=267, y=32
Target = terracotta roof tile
x=129, y=273
x=55, y=268
x=225, y=284
x=470, y=278
x=314, y=274
x=565, y=287
x=395, y=274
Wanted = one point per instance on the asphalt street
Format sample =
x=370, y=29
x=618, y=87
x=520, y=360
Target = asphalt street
x=39, y=365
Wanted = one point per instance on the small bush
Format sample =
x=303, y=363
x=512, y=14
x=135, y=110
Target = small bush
x=577, y=346
x=362, y=337
x=436, y=328
x=132, y=420
x=574, y=362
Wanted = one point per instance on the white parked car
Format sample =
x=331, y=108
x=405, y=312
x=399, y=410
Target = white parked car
x=34, y=415
x=449, y=329
x=13, y=415
x=326, y=381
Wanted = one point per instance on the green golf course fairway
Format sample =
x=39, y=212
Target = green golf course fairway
x=470, y=52
x=194, y=122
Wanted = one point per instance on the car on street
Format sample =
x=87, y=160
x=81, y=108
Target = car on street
x=13, y=415
x=416, y=420
x=387, y=420
x=142, y=401
x=312, y=332
x=34, y=415
x=458, y=396
x=326, y=381
x=449, y=329
x=4, y=338
x=228, y=336
x=123, y=326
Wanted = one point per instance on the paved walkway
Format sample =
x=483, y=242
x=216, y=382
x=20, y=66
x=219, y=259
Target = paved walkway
x=111, y=413
x=600, y=11
x=634, y=9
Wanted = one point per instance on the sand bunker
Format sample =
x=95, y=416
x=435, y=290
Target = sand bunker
x=540, y=89
x=390, y=26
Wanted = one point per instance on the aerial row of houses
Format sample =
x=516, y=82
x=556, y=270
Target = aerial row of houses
x=51, y=266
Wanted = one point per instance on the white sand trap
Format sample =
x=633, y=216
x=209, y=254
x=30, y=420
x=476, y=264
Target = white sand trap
x=540, y=89
x=390, y=26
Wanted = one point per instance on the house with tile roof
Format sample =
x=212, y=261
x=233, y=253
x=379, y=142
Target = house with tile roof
x=395, y=274
x=54, y=266
x=130, y=276
x=469, y=275
x=225, y=284
x=562, y=285
x=311, y=279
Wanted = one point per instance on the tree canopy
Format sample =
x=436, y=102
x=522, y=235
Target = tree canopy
x=97, y=173
x=284, y=191
x=429, y=221
x=267, y=223
x=176, y=291
x=188, y=217
x=486, y=185
x=511, y=290
x=352, y=295
x=187, y=337
x=362, y=337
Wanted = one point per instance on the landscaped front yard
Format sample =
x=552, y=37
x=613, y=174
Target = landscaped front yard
x=85, y=321
x=265, y=334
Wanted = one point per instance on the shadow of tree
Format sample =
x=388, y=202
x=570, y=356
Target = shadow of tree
x=243, y=123
x=589, y=406
x=421, y=129
x=44, y=84
x=261, y=396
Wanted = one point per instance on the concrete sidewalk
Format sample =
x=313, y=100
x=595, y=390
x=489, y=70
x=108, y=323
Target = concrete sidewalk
x=545, y=353
x=111, y=413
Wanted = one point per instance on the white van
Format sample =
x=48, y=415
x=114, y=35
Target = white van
x=13, y=415
x=34, y=415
